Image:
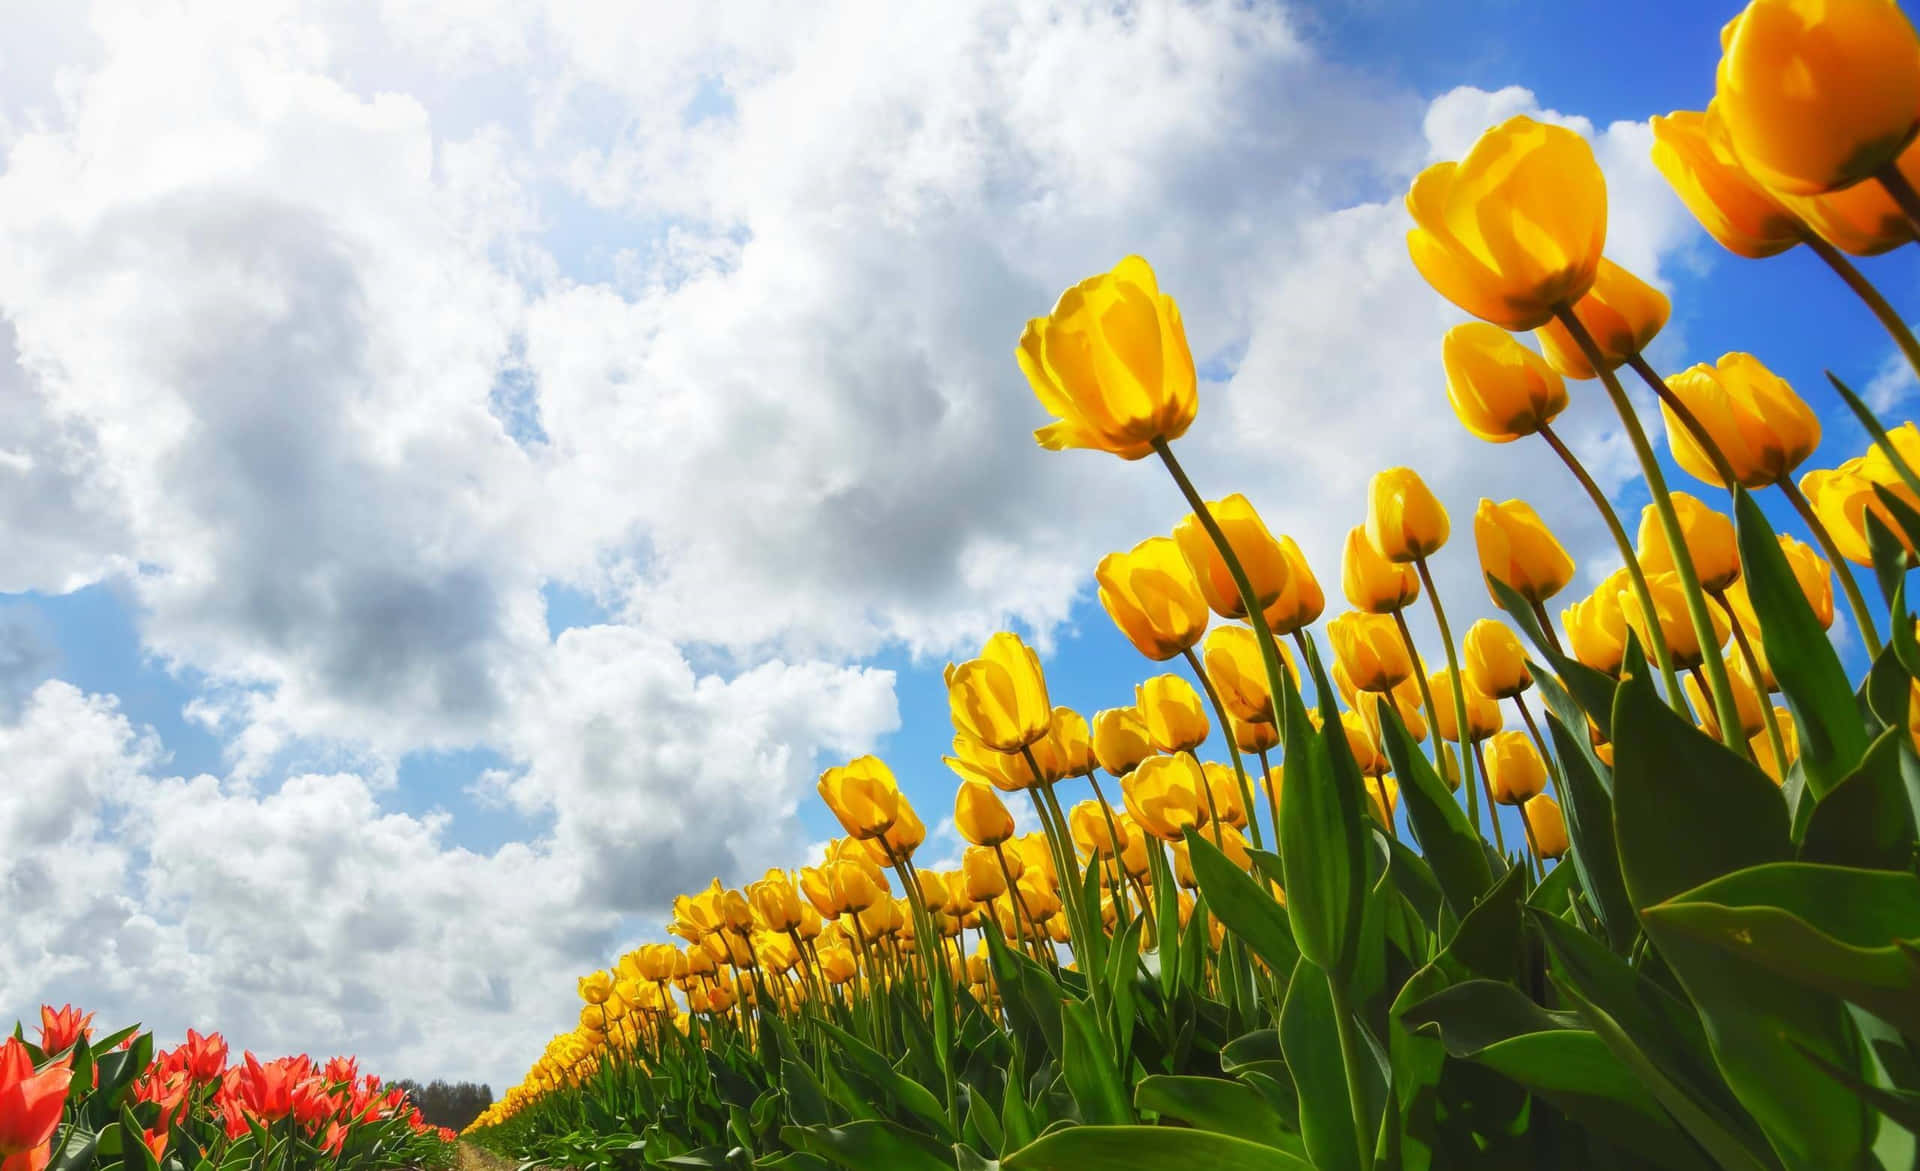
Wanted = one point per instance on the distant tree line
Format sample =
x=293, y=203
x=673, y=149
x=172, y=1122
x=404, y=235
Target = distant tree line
x=450, y=1104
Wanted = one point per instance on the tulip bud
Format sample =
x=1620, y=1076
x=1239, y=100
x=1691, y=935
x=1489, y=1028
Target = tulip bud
x=1500, y=389
x=1597, y=627
x=1164, y=796
x=1087, y=822
x=1239, y=673
x=1300, y=604
x=1266, y=564
x=1670, y=606
x=1763, y=748
x=1519, y=172
x=1495, y=662
x=1370, y=581
x=1223, y=787
x=776, y=904
x=1623, y=314
x=863, y=795
x=1171, y=708
x=980, y=873
x=1817, y=96
x=1120, y=739
x=1000, y=698
x=596, y=988
x=1746, y=698
x=904, y=836
x=1369, y=648
x=1111, y=364
x=1709, y=538
x=1252, y=737
x=1549, y=830
x=1483, y=712
x=979, y=815
x=1133, y=843
x=1404, y=521
x=1843, y=498
x=1515, y=772
x=1070, y=743
x=1517, y=549
x=1762, y=428
x=1730, y=204
x=1153, y=597
x=1365, y=749
x=1383, y=796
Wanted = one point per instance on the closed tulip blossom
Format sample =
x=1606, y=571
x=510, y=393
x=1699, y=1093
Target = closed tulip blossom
x=1746, y=698
x=1404, y=520
x=981, y=874
x=863, y=795
x=1763, y=429
x=1249, y=736
x=1623, y=314
x=1843, y=498
x=1369, y=647
x=1818, y=95
x=1733, y=206
x=1597, y=626
x=1516, y=227
x=1071, y=743
x=1166, y=794
x=1370, y=581
x=1670, y=606
x=1547, y=829
x=1515, y=772
x=980, y=816
x=1483, y=712
x=1153, y=597
x=1383, y=796
x=1171, y=708
x=1301, y=603
x=1266, y=563
x=1496, y=663
x=1000, y=698
x=1709, y=538
x=1121, y=740
x=1360, y=741
x=1234, y=665
x=1111, y=364
x=30, y=1104
x=1088, y=824
x=1500, y=389
x=1224, y=790
x=1517, y=549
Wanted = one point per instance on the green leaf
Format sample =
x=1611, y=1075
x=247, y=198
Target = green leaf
x=1486, y=944
x=806, y=1100
x=1848, y=932
x=1453, y=850
x=1320, y=831
x=1902, y=1106
x=1474, y=1014
x=1593, y=689
x=870, y=1146
x=1589, y=816
x=1865, y=819
x=1832, y=739
x=1656, y=1035
x=1239, y=902
x=1148, y=1148
x=1309, y=1037
x=1685, y=809
x=896, y=1087
x=1089, y=1069
x=1216, y=1104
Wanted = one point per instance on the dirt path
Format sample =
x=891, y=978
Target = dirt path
x=472, y=1158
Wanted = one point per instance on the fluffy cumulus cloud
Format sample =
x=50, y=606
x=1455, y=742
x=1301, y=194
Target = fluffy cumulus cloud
x=341, y=355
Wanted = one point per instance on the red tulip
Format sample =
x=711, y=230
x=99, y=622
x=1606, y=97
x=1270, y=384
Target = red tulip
x=204, y=1058
x=267, y=1090
x=61, y=1028
x=30, y=1104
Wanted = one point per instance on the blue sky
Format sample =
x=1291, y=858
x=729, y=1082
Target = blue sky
x=508, y=453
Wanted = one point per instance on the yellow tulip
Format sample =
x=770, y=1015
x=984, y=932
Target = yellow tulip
x=1515, y=772
x=1071, y=743
x=1746, y=698
x=776, y=904
x=1369, y=648
x=854, y=888
x=1878, y=467
x=596, y=988
x=1862, y=219
x=1224, y=787
x=1239, y=674
x=1231, y=843
x=980, y=816
x=904, y=836
x=1172, y=712
x=1300, y=604
x=1670, y=604
x=1843, y=497
x=1133, y=843
x=1730, y=204
x=980, y=873
x=1622, y=312
x=1383, y=794
x=1518, y=549
x=1251, y=737
x=1496, y=663
x=1597, y=627
x=1516, y=227
x=1370, y=581
x=1818, y=95
x=1500, y=389
x=1483, y=711
x=1163, y=795
x=1152, y=596
x=1111, y=364
x=1000, y=698
x=1087, y=822
x=863, y=795
x=1366, y=750
x=1266, y=563
x=1120, y=739
x=1756, y=420
x=1549, y=829
x=1404, y=521
x=1813, y=574
x=1709, y=538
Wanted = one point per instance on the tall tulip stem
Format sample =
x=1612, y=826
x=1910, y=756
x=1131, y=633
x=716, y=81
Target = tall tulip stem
x=1774, y=740
x=1636, y=577
x=1233, y=750
x=1472, y=747
x=1681, y=411
x=1426, y=697
x=1856, y=602
x=1273, y=796
x=1461, y=724
x=1540, y=742
x=1904, y=196
x=1696, y=598
x=1889, y=317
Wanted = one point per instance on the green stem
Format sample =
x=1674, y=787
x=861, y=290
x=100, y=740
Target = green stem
x=1459, y=705
x=1420, y=679
x=1690, y=589
x=1864, y=289
x=1533, y=847
x=1273, y=798
x=1350, y=1057
x=1493, y=807
x=1681, y=411
x=1233, y=750
x=1774, y=740
x=1540, y=742
x=1862, y=616
x=1636, y=577
x=1546, y=624
x=1019, y=900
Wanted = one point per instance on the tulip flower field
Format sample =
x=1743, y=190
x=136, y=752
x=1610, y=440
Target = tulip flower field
x=1324, y=951
x=70, y=1101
